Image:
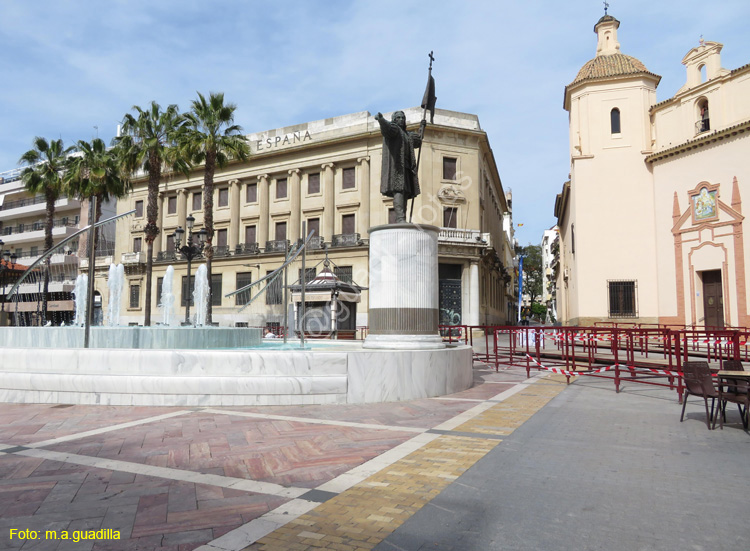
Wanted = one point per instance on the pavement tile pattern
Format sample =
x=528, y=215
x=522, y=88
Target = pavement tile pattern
x=284, y=477
x=364, y=515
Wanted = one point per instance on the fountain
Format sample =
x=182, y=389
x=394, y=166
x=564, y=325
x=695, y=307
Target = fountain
x=166, y=304
x=200, y=295
x=115, y=282
x=79, y=291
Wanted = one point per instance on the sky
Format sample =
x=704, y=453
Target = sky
x=71, y=69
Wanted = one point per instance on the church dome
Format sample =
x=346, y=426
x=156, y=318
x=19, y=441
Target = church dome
x=612, y=65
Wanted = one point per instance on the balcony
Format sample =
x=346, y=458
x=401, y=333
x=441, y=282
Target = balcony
x=102, y=260
x=346, y=240
x=30, y=206
x=317, y=242
x=166, y=256
x=246, y=248
x=34, y=231
x=277, y=246
x=133, y=258
x=464, y=237
x=221, y=250
x=703, y=125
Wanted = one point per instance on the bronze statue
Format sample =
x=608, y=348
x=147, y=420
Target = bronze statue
x=398, y=177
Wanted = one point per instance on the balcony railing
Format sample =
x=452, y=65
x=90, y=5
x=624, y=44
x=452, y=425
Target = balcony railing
x=39, y=226
x=22, y=203
x=346, y=240
x=165, y=256
x=703, y=125
x=468, y=237
x=134, y=257
x=277, y=246
x=246, y=248
x=221, y=250
x=316, y=242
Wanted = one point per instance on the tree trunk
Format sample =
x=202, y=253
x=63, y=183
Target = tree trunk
x=208, y=223
x=49, y=221
x=151, y=229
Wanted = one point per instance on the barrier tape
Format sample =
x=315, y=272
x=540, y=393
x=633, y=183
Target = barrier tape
x=569, y=373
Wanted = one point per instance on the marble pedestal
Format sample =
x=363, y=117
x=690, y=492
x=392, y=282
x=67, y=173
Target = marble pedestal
x=404, y=311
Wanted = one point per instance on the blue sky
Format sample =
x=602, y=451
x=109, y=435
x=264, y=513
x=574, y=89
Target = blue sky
x=70, y=66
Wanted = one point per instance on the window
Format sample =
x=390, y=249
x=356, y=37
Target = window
x=449, y=168
x=309, y=274
x=216, y=290
x=273, y=290
x=450, y=217
x=171, y=204
x=614, y=120
x=391, y=216
x=34, y=251
x=280, y=188
x=249, y=234
x=251, y=193
x=313, y=224
x=135, y=296
x=344, y=273
x=221, y=238
x=139, y=209
x=197, y=199
x=313, y=183
x=704, y=124
x=159, y=283
x=347, y=224
x=243, y=279
x=170, y=243
x=137, y=244
x=280, y=231
x=224, y=197
x=348, y=181
x=622, y=299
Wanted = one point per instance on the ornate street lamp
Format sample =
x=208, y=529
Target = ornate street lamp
x=189, y=251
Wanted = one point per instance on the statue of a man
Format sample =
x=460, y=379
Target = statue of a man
x=398, y=177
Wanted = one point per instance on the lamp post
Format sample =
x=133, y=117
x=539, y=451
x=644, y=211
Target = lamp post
x=189, y=251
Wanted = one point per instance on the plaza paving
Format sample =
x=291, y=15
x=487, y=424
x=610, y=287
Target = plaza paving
x=508, y=464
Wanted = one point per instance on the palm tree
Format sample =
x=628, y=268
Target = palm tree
x=44, y=174
x=148, y=143
x=96, y=171
x=210, y=136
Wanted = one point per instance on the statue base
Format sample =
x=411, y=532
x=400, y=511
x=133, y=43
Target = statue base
x=404, y=310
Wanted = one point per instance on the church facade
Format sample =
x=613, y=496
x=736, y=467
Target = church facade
x=651, y=222
x=326, y=174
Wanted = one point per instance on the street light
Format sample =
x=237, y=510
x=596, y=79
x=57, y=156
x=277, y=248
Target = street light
x=189, y=251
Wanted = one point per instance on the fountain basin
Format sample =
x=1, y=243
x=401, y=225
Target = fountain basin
x=131, y=337
x=327, y=373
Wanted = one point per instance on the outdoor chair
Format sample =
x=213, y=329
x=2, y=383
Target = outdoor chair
x=735, y=391
x=698, y=382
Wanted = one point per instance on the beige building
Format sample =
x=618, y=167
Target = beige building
x=651, y=220
x=327, y=174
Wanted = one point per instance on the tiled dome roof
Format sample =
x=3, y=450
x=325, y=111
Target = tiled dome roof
x=612, y=65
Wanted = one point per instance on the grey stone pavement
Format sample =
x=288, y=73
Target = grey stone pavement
x=598, y=470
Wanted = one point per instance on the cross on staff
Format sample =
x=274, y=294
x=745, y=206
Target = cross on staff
x=606, y=7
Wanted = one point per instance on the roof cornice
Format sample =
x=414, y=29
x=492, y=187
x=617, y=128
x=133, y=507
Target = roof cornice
x=704, y=140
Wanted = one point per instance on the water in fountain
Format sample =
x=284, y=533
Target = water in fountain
x=166, y=305
x=82, y=283
x=115, y=282
x=200, y=295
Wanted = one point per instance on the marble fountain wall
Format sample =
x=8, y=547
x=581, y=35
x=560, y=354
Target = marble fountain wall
x=332, y=374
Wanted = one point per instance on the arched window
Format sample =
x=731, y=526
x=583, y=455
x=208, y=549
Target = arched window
x=614, y=120
x=702, y=70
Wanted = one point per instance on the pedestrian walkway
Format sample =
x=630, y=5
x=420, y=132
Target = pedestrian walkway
x=222, y=478
x=511, y=463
